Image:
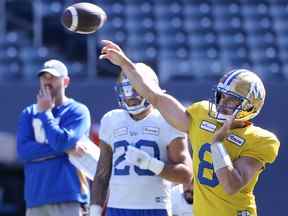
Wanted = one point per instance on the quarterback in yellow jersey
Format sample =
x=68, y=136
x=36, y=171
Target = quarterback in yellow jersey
x=250, y=141
x=229, y=152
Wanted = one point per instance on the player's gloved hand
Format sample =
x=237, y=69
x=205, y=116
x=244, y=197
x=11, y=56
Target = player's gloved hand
x=95, y=210
x=143, y=160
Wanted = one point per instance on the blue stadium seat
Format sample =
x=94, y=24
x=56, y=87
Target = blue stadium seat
x=170, y=70
x=143, y=43
x=170, y=53
x=30, y=69
x=52, y=8
x=184, y=36
x=135, y=54
x=227, y=8
x=29, y=54
x=254, y=2
x=283, y=54
x=279, y=2
x=259, y=25
x=232, y=40
x=281, y=28
x=204, y=50
x=13, y=69
x=268, y=53
x=285, y=70
x=11, y=52
x=198, y=9
x=77, y=69
x=140, y=25
x=136, y=10
x=198, y=39
x=203, y=24
x=269, y=69
x=114, y=30
x=173, y=7
x=279, y=10
x=232, y=24
x=227, y=2
x=132, y=2
x=236, y=58
x=261, y=39
x=207, y=68
x=169, y=25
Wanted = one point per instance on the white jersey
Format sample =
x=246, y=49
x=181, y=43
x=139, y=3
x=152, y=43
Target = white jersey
x=179, y=205
x=130, y=186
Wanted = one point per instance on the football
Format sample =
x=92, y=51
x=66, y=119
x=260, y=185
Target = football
x=83, y=18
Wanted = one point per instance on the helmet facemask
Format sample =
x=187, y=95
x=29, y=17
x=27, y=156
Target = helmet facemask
x=125, y=93
x=216, y=110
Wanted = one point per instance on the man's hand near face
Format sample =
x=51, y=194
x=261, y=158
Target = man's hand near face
x=44, y=99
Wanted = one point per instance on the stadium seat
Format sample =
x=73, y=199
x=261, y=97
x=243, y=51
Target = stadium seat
x=201, y=25
x=198, y=9
x=236, y=57
x=269, y=70
x=232, y=40
x=280, y=26
x=285, y=70
x=30, y=69
x=263, y=39
x=13, y=69
x=228, y=24
x=283, y=54
x=258, y=25
x=28, y=54
x=168, y=69
x=190, y=34
x=279, y=9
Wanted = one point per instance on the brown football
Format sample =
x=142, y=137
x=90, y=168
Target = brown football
x=83, y=18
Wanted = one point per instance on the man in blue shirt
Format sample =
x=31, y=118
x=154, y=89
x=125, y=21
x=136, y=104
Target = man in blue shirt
x=47, y=132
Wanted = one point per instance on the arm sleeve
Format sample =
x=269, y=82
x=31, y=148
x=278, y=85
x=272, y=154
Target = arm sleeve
x=27, y=148
x=74, y=125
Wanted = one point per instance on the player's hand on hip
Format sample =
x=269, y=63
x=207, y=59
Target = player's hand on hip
x=113, y=53
x=143, y=160
x=44, y=99
x=95, y=210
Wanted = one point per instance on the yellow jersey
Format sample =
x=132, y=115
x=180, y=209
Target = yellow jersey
x=251, y=141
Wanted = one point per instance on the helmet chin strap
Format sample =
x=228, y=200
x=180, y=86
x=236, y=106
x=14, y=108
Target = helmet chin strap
x=134, y=110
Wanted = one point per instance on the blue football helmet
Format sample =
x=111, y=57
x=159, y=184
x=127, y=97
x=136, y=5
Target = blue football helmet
x=242, y=85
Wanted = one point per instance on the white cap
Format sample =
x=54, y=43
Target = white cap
x=54, y=67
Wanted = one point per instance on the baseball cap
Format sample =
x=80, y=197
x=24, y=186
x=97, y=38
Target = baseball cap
x=54, y=67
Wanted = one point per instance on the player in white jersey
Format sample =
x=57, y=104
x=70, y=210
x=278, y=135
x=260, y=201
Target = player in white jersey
x=182, y=200
x=140, y=155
